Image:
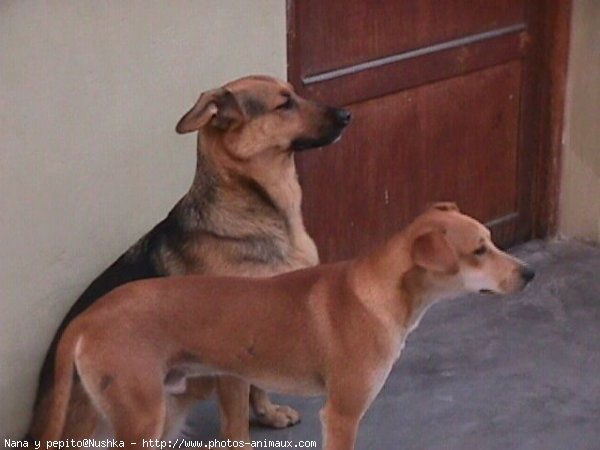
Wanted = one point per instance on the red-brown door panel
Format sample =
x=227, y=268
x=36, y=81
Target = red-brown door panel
x=452, y=99
x=338, y=33
x=436, y=142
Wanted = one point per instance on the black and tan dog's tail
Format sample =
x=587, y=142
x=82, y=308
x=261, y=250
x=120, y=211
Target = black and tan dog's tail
x=64, y=371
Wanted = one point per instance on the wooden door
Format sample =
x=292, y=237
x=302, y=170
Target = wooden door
x=447, y=99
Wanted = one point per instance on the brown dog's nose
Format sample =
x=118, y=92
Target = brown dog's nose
x=343, y=116
x=527, y=274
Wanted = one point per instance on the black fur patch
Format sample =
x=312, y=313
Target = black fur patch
x=250, y=350
x=253, y=107
x=105, y=382
x=260, y=250
x=256, y=188
x=185, y=356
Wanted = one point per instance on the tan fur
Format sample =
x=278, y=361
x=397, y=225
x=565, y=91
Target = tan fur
x=332, y=329
x=241, y=217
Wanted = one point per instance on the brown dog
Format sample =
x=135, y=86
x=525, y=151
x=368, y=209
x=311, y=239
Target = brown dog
x=240, y=217
x=332, y=329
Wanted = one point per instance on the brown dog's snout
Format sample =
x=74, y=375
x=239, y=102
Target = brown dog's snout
x=527, y=274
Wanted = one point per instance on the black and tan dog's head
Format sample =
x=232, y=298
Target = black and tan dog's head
x=259, y=113
x=457, y=253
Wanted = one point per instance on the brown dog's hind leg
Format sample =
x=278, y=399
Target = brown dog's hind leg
x=270, y=414
x=126, y=391
x=137, y=412
x=233, y=409
x=82, y=418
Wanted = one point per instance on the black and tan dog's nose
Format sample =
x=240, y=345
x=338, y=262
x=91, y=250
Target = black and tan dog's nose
x=343, y=116
x=527, y=274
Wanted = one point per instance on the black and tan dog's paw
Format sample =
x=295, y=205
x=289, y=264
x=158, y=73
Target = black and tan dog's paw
x=278, y=416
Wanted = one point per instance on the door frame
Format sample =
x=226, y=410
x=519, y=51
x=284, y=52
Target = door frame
x=552, y=26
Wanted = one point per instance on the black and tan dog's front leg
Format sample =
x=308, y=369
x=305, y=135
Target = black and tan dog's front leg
x=271, y=414
x=234, y=410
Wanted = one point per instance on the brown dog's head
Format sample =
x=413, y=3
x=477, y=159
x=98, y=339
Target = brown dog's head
x=457, y=253
x=259, y=113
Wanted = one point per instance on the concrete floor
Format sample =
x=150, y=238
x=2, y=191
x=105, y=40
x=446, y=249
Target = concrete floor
x=520, y=372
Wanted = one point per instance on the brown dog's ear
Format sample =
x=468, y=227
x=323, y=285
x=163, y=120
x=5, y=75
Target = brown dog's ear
x=219, y=107
x=444, y=206
x=432, y=252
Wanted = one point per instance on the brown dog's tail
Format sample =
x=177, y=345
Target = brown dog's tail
x=63, y=380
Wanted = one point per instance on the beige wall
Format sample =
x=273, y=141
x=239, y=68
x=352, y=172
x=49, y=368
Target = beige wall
x=90, y=93
x=580, y=184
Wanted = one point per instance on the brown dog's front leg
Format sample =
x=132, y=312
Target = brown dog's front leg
x=339, y=427
x=270, y=414
x=234, y=411
x=348, y=398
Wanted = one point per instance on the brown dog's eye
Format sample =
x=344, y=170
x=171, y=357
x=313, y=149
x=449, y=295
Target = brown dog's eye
x=288, y=104
x=480, y=250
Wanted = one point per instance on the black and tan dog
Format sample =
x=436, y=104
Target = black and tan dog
x=333, y=329
x=240, y=217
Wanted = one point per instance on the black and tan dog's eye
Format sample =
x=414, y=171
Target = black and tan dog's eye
x=288, y=104
x=480, y=250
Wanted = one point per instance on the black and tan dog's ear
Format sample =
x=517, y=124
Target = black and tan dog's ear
x=219, y=107
x=443, y=206
x=433, y=252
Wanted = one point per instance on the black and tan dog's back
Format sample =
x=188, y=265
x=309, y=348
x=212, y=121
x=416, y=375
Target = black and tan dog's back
x=240, y=217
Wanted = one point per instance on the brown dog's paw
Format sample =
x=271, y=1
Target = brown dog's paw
x=278, y=416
